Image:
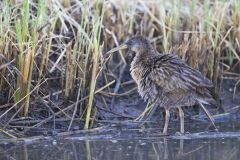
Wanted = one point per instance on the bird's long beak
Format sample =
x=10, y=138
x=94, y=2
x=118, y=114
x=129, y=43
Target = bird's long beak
x=123, y=46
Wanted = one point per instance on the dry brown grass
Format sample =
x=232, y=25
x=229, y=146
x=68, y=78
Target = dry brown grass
x=51, y=55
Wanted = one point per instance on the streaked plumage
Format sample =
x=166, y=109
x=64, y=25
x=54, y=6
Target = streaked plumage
x=165, y=79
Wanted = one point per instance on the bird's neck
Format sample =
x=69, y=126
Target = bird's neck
x=142, y=57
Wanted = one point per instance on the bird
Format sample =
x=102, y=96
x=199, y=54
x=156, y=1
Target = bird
x=165, y=80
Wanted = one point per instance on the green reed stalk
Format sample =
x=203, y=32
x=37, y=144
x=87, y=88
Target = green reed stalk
x=96, y=44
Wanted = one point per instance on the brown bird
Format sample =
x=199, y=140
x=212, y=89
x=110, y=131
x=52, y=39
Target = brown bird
x=165, y=80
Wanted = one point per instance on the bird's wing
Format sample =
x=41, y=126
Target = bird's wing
x=169, y=72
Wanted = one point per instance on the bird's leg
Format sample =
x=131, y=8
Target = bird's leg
x=181, y=116
x=167, y=116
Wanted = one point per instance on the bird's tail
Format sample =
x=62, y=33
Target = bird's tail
x=201, y=102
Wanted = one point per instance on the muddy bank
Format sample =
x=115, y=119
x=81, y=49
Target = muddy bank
x=121, y=142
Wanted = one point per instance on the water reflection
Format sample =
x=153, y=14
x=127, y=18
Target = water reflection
x=155, y=149
x=133, y=142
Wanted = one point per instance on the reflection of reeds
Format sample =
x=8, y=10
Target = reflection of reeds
x=53, y=50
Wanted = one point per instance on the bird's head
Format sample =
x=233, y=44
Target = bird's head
x=136, y=45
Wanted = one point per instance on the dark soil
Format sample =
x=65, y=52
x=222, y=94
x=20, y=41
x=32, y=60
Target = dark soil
x=124, y=108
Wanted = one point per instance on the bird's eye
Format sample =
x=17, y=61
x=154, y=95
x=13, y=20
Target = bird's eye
x=130, y=56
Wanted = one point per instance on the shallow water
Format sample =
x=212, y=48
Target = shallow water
x=128, y=143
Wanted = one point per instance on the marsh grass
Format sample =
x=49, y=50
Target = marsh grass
x=51, y=53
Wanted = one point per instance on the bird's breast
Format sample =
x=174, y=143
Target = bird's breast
x=147, y=89
x=136, y=75
x=136, y=72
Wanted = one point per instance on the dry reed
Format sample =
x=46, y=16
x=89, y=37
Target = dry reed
x=51, y=55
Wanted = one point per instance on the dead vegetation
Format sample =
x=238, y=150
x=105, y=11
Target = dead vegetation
x=51, y=53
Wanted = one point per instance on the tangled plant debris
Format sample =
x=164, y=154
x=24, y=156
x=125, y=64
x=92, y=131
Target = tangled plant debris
x=53, y=74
